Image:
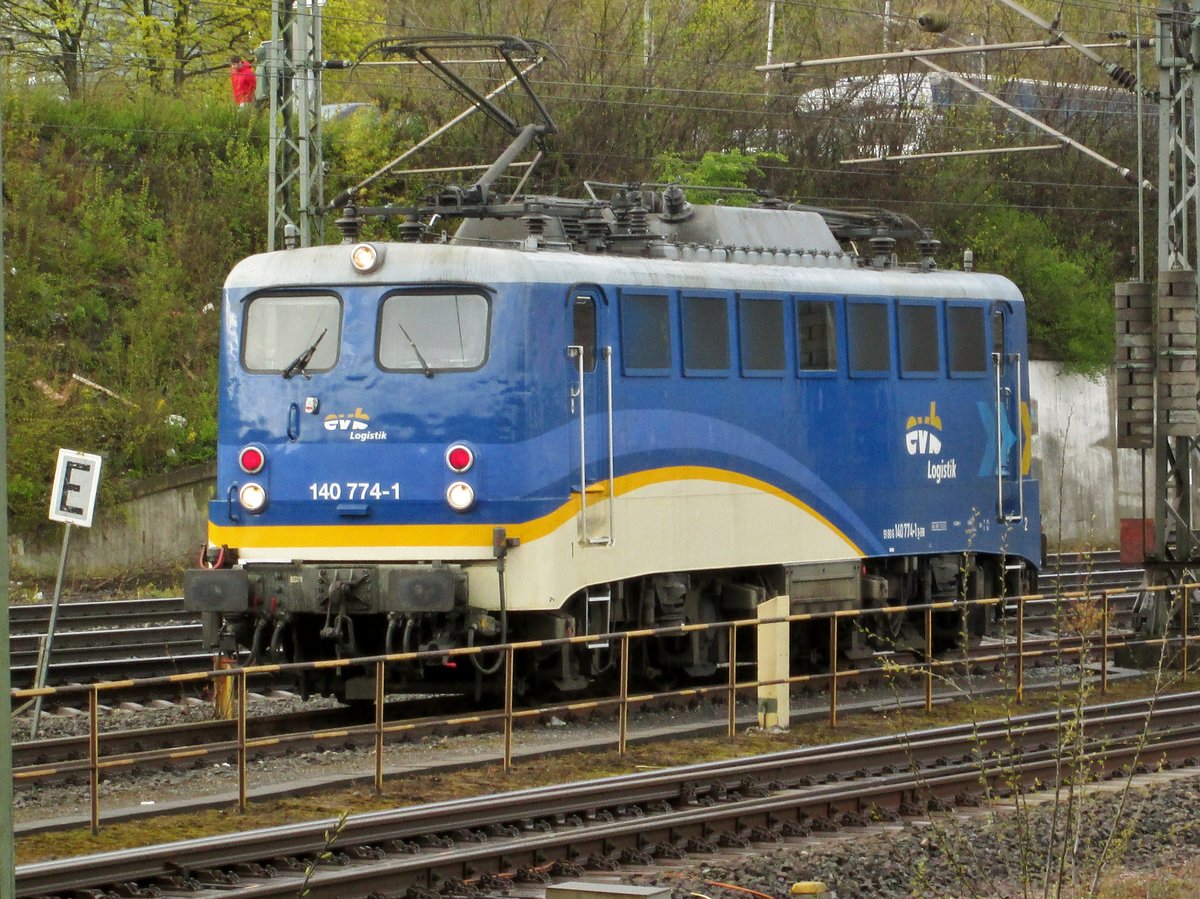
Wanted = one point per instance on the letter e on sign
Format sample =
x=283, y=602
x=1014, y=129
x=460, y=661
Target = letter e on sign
x=73, y=493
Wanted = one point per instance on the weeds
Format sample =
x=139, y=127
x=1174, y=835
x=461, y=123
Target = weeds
x=326, y=853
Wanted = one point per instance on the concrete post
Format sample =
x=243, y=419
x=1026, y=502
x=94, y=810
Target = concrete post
x=774, y=647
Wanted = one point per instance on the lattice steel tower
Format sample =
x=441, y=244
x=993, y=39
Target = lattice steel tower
x=1156, y=330
x=291, y=64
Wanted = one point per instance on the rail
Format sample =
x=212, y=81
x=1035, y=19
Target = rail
x=1086, y=615
x=517, y=835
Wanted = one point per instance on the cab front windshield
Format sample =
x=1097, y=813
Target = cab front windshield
x=428, y=332
x=290, y=331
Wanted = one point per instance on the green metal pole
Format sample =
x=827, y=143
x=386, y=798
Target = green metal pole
x=8, y=874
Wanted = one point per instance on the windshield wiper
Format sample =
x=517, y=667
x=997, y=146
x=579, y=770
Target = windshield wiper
x=300, y=363
x=412, y=343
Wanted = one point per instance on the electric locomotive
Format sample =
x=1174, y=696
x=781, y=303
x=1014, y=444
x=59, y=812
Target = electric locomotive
x=578, y=416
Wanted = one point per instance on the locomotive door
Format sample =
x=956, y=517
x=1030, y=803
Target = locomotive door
x=591, y=402
x=1010, y=440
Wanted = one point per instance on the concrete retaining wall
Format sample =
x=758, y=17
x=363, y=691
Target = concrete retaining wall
x=162, y=525
x=1088, y=485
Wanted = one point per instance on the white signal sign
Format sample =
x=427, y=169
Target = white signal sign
x=73, y=494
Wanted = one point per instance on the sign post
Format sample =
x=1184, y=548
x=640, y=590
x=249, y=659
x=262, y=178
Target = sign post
x=72, y=501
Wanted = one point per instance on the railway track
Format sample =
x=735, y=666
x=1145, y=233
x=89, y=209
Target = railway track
x=1096, y=570
x=32, y=618
x=182, y=745
x=1074, y=573
x=661, y=814
x=106, y=640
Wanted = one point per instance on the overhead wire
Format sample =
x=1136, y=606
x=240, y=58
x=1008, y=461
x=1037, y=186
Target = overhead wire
x=786, y=112
x=331, y=15
x=733, y=67
x=830, y=118
x=719, y=109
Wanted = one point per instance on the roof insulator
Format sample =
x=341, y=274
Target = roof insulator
x=676, y=207
x=595, y=228
x=881, y=249
x=928, y=247
x=349, y=224
x=637, y=219
x=535, y=220
x=620, y=208
x=412, y=230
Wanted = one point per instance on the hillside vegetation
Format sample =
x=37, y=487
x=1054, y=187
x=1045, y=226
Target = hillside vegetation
x=132, y=183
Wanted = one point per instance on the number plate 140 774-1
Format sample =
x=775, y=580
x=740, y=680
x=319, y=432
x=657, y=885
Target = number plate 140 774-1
x=353, y=490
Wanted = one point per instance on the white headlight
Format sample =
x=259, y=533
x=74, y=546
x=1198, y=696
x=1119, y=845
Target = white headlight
x=366, y=257
x=252, y=497
x=460, y=496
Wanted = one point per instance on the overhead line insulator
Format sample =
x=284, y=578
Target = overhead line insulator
x=933, y=22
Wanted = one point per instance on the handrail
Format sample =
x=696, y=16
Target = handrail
x=1020, y=446
x=998, y=361
x=612, y=482
x=1001, y=512
x=574, y=351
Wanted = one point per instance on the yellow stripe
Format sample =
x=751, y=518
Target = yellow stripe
x=187, y=754
x=480, y=535
x=1027, y=441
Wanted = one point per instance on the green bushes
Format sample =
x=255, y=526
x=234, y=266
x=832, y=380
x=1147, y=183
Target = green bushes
x=121, y=223
x=1068, y=288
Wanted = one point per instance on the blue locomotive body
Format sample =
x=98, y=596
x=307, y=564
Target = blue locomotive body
x=500, y=436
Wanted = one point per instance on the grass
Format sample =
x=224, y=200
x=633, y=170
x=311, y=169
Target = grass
x=142, y=583
x=1177, y=881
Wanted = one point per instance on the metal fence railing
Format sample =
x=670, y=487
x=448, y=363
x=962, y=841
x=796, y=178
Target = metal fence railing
x=1083, y=621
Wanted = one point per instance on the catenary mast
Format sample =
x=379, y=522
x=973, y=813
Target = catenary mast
x=290, y=65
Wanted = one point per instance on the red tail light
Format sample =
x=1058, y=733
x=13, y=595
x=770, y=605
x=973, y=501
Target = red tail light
x=252, y=459
x=459, y=458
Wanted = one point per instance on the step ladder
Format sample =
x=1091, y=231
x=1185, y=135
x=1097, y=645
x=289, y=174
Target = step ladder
x=598, y=615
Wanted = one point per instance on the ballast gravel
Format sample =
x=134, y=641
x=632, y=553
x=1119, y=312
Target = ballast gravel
x=1001, y=854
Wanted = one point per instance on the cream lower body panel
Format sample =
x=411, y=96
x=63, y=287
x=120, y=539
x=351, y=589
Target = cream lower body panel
x=684, y=525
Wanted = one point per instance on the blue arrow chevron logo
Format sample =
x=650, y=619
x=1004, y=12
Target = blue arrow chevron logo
x=1008, y=439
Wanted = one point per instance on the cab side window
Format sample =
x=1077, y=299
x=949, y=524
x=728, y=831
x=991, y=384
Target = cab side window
x=646, y=333
x=967, y=340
